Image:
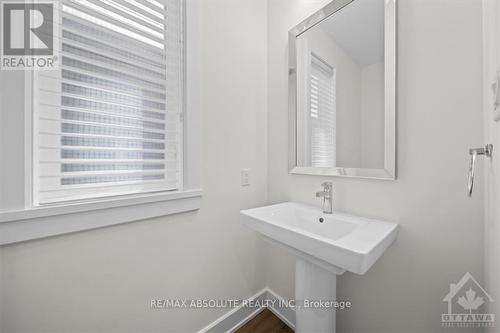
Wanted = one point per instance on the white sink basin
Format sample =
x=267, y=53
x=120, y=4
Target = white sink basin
x=347, y=242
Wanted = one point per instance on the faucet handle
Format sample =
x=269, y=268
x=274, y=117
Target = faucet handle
x=327, y=185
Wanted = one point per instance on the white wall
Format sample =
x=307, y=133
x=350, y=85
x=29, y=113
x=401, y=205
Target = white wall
x=1, y=290
x=12, y=144
x=491, y=25
x=441, y=236
x=103, y=280
x=1, y=196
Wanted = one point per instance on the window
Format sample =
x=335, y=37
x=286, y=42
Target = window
x=109, y=122
x=113, y=135
x=322, y=106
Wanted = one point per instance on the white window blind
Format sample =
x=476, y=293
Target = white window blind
x=109, y=122
x=322, y=105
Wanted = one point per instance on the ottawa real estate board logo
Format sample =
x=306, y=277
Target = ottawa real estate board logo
x=467, y=305
x=29, y=35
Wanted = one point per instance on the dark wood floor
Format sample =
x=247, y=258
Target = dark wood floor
x=265, y=322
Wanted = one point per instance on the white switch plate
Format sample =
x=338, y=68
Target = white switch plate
x=245, y=177
x=495, y=87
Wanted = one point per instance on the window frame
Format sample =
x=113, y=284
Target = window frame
x=54, y=219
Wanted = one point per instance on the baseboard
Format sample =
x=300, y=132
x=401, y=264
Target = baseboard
x=285, y=313
x=237, y=317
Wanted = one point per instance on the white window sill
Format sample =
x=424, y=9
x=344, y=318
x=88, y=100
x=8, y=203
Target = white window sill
x=23, y=225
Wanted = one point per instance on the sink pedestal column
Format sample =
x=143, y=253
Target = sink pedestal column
x=314, y=283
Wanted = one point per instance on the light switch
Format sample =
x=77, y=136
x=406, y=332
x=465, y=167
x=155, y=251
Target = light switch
x=245, y=177
x=495, y=87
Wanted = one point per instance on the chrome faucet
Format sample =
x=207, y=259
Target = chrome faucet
x=327, y=195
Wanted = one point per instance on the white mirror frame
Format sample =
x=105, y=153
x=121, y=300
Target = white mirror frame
x=389, y=170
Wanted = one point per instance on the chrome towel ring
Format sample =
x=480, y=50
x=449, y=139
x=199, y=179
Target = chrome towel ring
x=474, y=153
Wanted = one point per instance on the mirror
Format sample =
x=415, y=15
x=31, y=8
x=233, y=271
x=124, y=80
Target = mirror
x=342, y=81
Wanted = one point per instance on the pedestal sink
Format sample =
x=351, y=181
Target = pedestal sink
x=326, y=245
